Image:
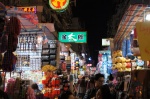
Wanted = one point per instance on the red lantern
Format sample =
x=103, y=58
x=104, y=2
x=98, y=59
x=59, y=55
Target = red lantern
x=57, y=81
x=53, y=83
x=44, y=82
x=50, y=95
x=46, y=94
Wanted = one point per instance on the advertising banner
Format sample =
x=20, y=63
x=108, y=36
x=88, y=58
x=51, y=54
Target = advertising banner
x=143, y=32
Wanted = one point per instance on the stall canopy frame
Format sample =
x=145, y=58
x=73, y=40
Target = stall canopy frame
x=134, y=13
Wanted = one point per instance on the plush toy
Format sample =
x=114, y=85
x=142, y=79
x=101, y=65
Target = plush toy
x=128, y=65
x=128, y=69
x=124, y=65
x=114, y=54
x=119, y=65
x=123, y=59
x=119, y=53
x=128, y=60
x=138, y=67
x=113, y=60
x=114, y=67
x=118, y=59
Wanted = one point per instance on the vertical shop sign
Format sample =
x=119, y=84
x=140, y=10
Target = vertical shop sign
x=143, y=33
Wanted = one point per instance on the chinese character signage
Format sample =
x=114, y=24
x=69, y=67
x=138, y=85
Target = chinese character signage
x=31, y=9
x=59, y=4
x=73, y=37
x=143, y=34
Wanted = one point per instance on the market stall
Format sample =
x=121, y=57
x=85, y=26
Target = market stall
x=26, y=46
x=127, y=59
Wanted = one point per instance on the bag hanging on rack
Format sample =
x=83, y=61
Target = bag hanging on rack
x=3, y=43
x=9, y=62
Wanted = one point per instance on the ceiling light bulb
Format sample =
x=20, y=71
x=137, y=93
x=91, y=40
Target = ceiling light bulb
x=148, y=17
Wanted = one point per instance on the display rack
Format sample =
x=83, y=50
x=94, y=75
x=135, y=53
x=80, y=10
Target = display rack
x=49, y=51
x=29, y=51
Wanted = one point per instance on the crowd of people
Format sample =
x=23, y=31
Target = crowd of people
x=92, y=89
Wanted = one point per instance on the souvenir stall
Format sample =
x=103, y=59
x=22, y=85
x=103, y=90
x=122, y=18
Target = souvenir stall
x=129, y=65
x=104, y=63
x=51, y=82
x=27, y=43
x=65, y=66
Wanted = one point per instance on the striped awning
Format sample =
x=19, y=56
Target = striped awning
x=135, y=13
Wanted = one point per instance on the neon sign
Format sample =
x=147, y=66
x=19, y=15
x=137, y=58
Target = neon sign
x=58, y=4
x=28, y=9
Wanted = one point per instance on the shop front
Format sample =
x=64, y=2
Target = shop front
x=130, y=58
x=36, y=48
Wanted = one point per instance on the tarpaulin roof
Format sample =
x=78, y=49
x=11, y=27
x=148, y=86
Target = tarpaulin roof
x=133, y=14
x=28, y=20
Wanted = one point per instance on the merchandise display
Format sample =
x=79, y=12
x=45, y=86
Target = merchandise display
x=51, y=82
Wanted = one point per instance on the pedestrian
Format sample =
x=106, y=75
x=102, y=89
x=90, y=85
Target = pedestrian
x=90, y=83
x=98, y=82
x=103, y=93
x=81, y=88
x=66, y=95
x=38, y=93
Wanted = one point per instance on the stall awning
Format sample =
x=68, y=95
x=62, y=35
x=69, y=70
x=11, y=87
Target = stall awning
x=28, y=20
x=135, y=13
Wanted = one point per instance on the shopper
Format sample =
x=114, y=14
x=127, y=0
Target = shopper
x=106, y=92
x=38, y=93
x=111, y=87
x=98, y=82
x=30, y=93
x=103, y=93
x=81, y=88
x=66, y=95
x=98, y=94
x=90, y=83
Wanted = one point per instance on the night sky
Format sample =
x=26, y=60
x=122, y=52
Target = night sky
x=95, y=14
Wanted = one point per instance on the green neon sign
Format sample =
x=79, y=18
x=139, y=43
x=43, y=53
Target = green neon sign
x=72, y=37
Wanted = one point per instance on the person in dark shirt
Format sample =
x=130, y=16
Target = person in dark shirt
x=66, y=95
x=38, y=93
x=3, y=95
x=98, y=82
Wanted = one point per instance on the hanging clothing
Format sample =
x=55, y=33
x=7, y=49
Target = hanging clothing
x=30, y=93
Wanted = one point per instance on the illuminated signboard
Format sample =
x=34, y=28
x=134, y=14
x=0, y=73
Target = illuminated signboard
x=73, y=37
x=105, y=42
x=59, y=4
x=28, y=9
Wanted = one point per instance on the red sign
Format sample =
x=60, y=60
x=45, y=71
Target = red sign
x=58, y=4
